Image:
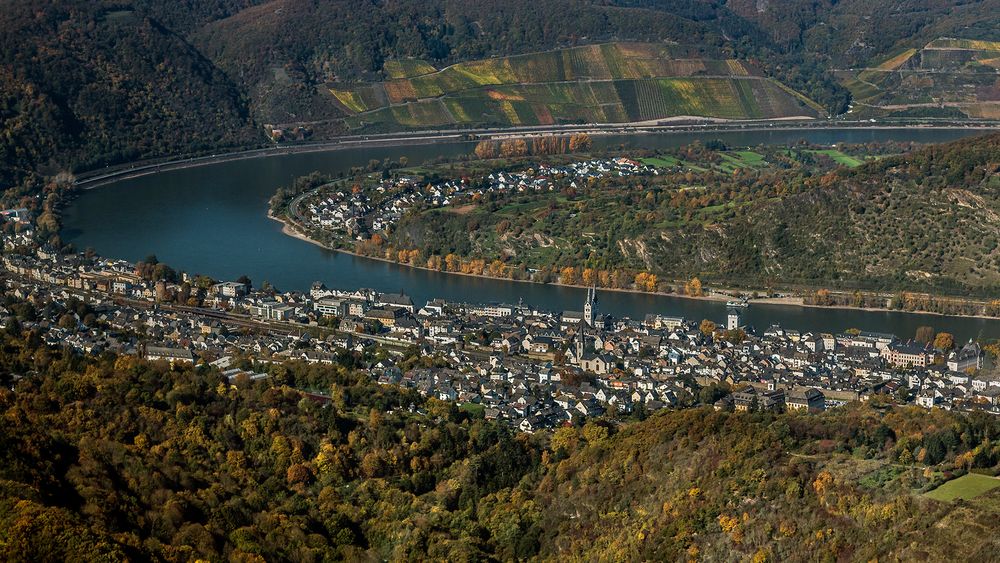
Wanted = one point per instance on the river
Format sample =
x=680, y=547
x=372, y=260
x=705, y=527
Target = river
x=212, y=220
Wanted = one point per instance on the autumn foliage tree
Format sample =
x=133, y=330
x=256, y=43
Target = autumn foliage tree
x=823, y=297
x=568, y=276
x=944, y=341
x=693, y=287
x=645, y=281
x=580, y=142
x=707, y=327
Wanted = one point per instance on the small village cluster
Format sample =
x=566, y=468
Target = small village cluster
x=358, y=213
x=533, y=368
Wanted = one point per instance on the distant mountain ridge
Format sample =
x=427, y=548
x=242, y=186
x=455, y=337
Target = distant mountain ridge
x=93, y=83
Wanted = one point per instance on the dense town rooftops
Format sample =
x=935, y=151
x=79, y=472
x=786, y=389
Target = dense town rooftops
x=528, y=366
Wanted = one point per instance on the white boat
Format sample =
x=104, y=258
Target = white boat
x=738, y=303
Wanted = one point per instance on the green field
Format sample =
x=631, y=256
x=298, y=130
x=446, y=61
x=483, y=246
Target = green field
x=751, y=158
x=473, y=408
x=736, y=160
x=661, y=161
x=839, y=157
x=968, y=486
x=609, y=83
x=731, y=161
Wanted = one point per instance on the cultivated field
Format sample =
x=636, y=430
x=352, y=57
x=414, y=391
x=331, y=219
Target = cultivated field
x=839, y=157
x=609, y=83
x=407, y=68
x=950, y=78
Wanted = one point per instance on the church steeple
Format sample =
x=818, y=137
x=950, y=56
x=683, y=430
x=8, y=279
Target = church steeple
x=588, y=306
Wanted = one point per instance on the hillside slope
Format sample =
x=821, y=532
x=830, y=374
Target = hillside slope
x=849, y=33
x=87, y=84
x=116, y=458
x=284, y=51
x=83, y=85
x=926, y=220
x=946, y=77
x=611, y=82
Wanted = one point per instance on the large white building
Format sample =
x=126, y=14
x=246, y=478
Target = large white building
x=969, y=357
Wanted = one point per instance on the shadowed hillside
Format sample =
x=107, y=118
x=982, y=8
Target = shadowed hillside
x=84, y=85
x=87, y=84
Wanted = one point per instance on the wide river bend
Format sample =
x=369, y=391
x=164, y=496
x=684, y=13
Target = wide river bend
x=212, y=220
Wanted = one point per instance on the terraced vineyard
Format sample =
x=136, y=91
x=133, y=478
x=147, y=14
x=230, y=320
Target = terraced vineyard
x=608, y=83
x=946, y=78
x=407, y=68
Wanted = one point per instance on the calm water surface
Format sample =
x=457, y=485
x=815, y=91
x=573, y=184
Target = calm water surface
x=212, y=220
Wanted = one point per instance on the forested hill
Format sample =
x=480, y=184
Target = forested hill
x=927, y=219
x=284, y=50
x=924, y=220
x=112, y=458
x=88, y=83
x=84, y=84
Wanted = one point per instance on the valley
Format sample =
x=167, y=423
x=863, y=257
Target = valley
x=764, y=217
x=484, y=280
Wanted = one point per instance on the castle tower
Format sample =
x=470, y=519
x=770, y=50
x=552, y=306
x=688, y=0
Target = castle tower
x=581, y=344
x=732, y=319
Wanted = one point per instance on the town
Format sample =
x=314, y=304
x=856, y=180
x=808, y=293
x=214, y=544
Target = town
x=358, y=213
x=532, y=368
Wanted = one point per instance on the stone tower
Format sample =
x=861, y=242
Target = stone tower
x=732, y=319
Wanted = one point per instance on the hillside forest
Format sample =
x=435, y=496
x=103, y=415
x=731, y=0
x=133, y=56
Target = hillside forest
x=116, y=458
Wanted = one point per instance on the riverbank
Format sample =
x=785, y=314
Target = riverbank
x=290, y=228
x=799, y=302
x=138, y=169
x=721, y=295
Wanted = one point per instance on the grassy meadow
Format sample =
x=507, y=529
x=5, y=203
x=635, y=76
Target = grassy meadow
x=968, y=486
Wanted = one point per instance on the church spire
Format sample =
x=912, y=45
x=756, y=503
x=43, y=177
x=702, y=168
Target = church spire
x=588, y=306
